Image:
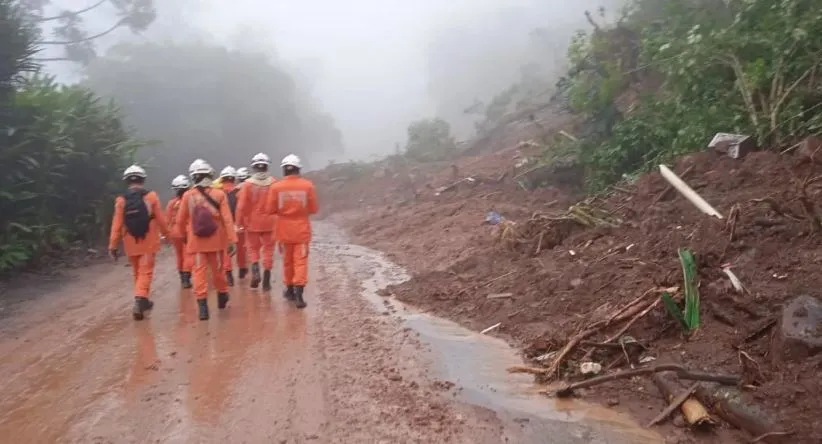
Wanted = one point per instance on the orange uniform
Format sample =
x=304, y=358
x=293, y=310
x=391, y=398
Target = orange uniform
x=178, y=239
x=229, y=187
x=208, y=251
x=293, y=199
x=258, y=224
x=141, y=252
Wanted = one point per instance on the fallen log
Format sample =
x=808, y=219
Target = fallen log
x=673, y=405
x=729, y=405
x=680, y=371
x=694, y=412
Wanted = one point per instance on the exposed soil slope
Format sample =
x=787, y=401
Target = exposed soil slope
x=458, y=262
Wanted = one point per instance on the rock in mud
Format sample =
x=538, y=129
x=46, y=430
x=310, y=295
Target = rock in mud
x=800, y=329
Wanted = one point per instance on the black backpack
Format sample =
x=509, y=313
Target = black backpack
x=136, y=213
x=232, y=202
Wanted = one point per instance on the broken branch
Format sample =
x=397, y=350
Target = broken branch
x=693, y=411
x=681, y=371
x=673, y=405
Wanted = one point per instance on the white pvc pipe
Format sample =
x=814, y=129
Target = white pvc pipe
x=688, y=192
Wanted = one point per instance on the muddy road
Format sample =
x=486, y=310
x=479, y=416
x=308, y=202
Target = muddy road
x=351, y=368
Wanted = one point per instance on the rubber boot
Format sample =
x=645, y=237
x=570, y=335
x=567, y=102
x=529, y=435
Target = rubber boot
x=289, y=293
x=299, y=302
x=186, y=279
x=222, y=300
x=141, y=305
x=243, y=273
x=267, y=280
x=229, y=276
x=202, y=304
x=255, y=275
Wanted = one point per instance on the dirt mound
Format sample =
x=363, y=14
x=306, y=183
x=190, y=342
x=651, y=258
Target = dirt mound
x=543, y=296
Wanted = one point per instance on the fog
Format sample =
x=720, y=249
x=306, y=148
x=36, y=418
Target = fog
x=377, y=65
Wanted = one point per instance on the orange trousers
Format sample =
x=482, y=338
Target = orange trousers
x=184, y=260
x=258, y=244
x=241, y=255
x=202, y=263
x=142, y=268
x=295, y=264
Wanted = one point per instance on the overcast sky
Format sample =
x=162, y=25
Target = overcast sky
x=367, y=56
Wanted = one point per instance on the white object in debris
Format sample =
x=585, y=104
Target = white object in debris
x=734, y=142
x=493, y=327
x=688, y=192
x=646, y=359
x=734, y=280
x=590, y=368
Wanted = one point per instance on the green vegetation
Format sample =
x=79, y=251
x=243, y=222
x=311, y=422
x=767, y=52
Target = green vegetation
x=668, y=75
x=62, y=151
x=430, y=140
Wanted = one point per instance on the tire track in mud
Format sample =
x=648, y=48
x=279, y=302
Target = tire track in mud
x=260, y=371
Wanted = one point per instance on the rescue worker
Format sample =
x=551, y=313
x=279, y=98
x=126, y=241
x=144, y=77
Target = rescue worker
x=242, y=254
x=206, y=219
x=255, y=222
x=228, y=177
x=242, y=175
x=180, y=184
x=293, y=200
x=138, y=221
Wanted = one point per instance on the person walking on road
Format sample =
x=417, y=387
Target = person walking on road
x=178, y=239
x=138, y=222
x=242, y=175
x=228, y=177
x=255, y=222
x=205, y=217
x=242, y=251
x=293, y=200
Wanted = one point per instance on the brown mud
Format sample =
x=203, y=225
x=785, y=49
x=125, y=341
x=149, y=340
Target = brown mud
x=76, y=368
x=771, y=245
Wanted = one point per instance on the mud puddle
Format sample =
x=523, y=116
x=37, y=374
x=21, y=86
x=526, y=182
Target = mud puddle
x=477, y=364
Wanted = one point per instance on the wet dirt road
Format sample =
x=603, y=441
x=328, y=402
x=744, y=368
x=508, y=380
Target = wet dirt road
x=76, y=368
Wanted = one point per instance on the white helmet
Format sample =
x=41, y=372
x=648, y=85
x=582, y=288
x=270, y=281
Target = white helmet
x=260, y=159
x=134, y=171
x=228, y=171
x=200, y=166
x=242, y=173
x=180, y=182
x=291, y=160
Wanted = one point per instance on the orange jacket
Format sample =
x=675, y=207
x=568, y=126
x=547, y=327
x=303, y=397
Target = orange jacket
x=293, y=200
x=172, y=210
x=225, y=224
x=151, y=243
x=251, y=207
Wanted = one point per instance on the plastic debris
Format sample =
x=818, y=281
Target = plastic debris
x=493, y=218
x=590, y=368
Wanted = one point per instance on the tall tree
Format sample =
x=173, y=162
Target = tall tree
x=203, y=100
x=68, y=28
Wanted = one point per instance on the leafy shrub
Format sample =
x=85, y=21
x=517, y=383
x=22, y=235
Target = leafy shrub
x=430, y=140
x=745, y=66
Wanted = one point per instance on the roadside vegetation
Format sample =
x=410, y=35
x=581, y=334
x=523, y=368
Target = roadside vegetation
x=661, y=80
x=62, y=149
